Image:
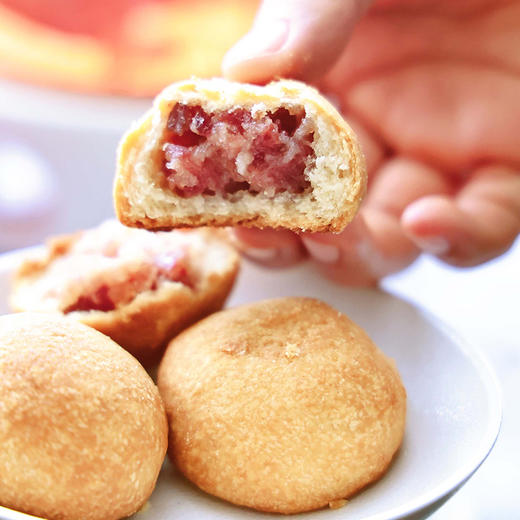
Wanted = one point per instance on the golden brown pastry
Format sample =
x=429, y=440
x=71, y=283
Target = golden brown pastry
x=139, y=288
x=284, y=405
x=82, y=426
x=214, y=152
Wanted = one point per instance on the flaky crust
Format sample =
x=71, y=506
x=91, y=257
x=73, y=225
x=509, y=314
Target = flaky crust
x=283, y=405
x=82, y=426
x=338, y=177
x=147, y=323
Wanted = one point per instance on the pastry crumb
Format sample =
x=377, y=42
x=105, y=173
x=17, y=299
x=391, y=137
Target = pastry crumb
x=337, y=504
x=292, y=351
x=143, y=509
x=235, y=349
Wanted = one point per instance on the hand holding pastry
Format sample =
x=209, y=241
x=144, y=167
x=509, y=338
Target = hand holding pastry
x=412, y=81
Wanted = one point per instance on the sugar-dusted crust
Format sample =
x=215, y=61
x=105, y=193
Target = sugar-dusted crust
x=337, y=177
x=144, y=325
x=82, y=426
x=283, y=405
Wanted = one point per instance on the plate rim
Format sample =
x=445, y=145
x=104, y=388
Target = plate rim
x=493, y=390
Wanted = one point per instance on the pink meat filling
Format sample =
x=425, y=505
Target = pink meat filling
x=106, y=293
x=226, y=152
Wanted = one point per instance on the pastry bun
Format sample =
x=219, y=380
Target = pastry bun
x=283, y=405
x=82, y=426
x=219, y=153
x=139, y=288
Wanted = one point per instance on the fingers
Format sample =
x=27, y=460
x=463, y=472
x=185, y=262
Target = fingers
x=401, y=181
x=270, y=247
x=480, y=223
x=373, y=150
x=410, y=208
x=371, y=247
x=449, y=114
x=293, y=38
x=375, y=244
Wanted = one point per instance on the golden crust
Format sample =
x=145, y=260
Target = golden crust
x=338, y=178
x=144, y=325
x=283, y=405
x=82, y=426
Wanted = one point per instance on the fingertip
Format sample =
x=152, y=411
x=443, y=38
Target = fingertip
x=322, y=252
x=300, y=40
x=256, y=57
x=440, y=227
x=427, y=216
x=425, y=223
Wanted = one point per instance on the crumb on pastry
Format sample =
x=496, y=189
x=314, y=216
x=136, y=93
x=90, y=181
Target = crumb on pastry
x=337, y=504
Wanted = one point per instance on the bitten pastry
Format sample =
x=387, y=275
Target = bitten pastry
x=284, y=405
x=139, y=288
x=214, y=152
x=83, y=431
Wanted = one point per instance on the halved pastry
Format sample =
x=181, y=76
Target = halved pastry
x=137, y=287
x=214, y=152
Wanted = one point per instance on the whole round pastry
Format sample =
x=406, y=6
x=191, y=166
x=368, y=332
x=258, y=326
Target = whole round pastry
x=284, y=405
x=83, y=431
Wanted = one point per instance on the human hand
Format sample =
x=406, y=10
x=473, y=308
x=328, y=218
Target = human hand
x=432, y=89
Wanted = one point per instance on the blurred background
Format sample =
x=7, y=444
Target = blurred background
x=73, y=75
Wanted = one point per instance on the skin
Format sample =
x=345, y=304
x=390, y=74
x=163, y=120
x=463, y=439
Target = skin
x=432, y=89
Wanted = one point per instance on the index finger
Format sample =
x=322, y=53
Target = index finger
x=300, y=39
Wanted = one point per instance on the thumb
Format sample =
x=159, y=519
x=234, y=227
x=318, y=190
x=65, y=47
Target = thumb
x=293, y=38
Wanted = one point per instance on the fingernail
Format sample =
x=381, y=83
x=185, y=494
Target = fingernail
x=433, y=245
x=274, y=257
x=260, y=254
x=261, y=40
x=325, y=253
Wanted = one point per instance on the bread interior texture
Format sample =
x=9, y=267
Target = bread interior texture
x=303, y=166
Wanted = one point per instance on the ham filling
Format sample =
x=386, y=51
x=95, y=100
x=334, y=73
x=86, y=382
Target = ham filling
x=108, y=290
x=104, y=268
x=235, y=150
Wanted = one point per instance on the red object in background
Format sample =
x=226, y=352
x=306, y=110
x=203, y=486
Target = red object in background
x=99, y=18
x=130, y=47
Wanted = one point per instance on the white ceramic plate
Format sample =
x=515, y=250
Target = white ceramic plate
x=454, y=406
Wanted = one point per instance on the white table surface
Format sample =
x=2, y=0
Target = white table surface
x=483, y=305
